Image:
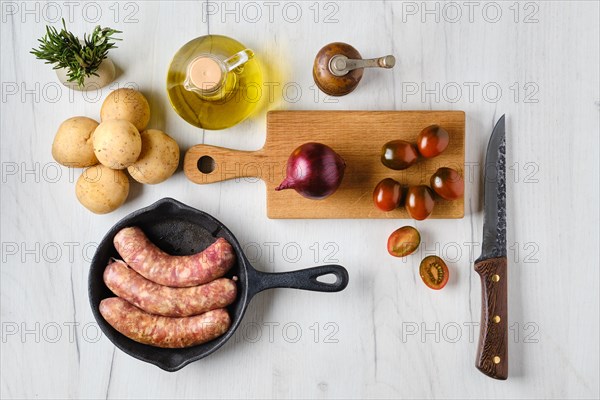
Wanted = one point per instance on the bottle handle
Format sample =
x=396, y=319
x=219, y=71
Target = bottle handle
x=238, y=59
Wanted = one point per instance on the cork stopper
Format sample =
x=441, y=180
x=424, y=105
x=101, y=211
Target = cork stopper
x=205, y=73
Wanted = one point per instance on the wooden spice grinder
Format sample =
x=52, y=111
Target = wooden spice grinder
x=338, y=68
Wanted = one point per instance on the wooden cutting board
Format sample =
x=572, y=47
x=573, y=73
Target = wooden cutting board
x=357, y=136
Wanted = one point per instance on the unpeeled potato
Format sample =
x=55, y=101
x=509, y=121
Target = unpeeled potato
x=158, y=159
x=127, y=104
x=72, y=146
x=117, y=143
x=101, y=189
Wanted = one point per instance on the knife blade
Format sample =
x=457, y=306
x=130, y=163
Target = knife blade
x=492, y=351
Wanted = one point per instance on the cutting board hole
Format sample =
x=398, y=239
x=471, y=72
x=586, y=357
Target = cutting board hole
x=328, y=278
x=206, y=164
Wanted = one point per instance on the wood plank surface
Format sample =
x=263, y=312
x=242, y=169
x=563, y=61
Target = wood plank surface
x=387, y=335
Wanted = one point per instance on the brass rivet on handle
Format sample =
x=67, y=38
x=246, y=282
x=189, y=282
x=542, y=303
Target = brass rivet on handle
x=496, y=360
x=495, y=278
x=496, y=319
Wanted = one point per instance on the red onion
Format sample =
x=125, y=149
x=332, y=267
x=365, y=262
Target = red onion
x=314, y=170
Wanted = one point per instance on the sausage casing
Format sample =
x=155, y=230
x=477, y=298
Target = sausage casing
x=176, y=271
x=164, y=300
x=162, y=331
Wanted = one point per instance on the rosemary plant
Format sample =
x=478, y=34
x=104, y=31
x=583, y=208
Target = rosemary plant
x=65, y=50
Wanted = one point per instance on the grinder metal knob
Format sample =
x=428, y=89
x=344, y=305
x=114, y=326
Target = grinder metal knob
x=338, y=68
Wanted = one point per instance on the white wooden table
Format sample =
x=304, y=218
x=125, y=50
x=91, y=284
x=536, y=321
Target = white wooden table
x=386, y=335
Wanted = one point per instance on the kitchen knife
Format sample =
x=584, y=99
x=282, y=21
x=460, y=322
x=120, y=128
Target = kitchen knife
x=492, y=352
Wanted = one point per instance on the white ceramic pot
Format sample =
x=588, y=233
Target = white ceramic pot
x=106, y=72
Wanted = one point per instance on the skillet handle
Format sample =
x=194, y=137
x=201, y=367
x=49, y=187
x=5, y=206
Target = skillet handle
x=305, y=279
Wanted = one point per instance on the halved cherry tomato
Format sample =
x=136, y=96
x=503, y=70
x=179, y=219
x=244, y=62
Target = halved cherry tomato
x=387, y=194
x=399, y=154
x=447, y=183
x=419, y=202
x=403, y=241
x=434, y=272
x=432, y=141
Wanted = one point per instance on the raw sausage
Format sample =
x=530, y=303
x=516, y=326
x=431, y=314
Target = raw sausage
x=176, y=271
x=161, y=331
x=167, y=301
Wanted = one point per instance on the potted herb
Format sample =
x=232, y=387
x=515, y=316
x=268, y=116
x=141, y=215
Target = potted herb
x=80, y=65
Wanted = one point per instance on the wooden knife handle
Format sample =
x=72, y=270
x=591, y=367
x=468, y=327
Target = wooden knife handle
x=492, y=352
x=208, y=164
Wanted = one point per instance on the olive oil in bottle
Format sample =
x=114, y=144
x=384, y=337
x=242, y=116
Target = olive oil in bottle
x=214, y=82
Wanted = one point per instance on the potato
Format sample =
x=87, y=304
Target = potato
x=101, y=189
x=72, y=144
x=158, y=160
x=117, y=143
x=127, y=104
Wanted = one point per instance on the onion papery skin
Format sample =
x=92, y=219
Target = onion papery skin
x=314, y=170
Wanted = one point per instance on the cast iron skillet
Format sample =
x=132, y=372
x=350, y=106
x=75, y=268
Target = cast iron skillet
x=181, y=230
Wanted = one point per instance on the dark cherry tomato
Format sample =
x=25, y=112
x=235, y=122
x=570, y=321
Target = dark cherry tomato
x=447, y=183
x=432, y=141
x=434, y=272
x=387, y=194
x=419, y=202
x=403, y=241
x=399, y=154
